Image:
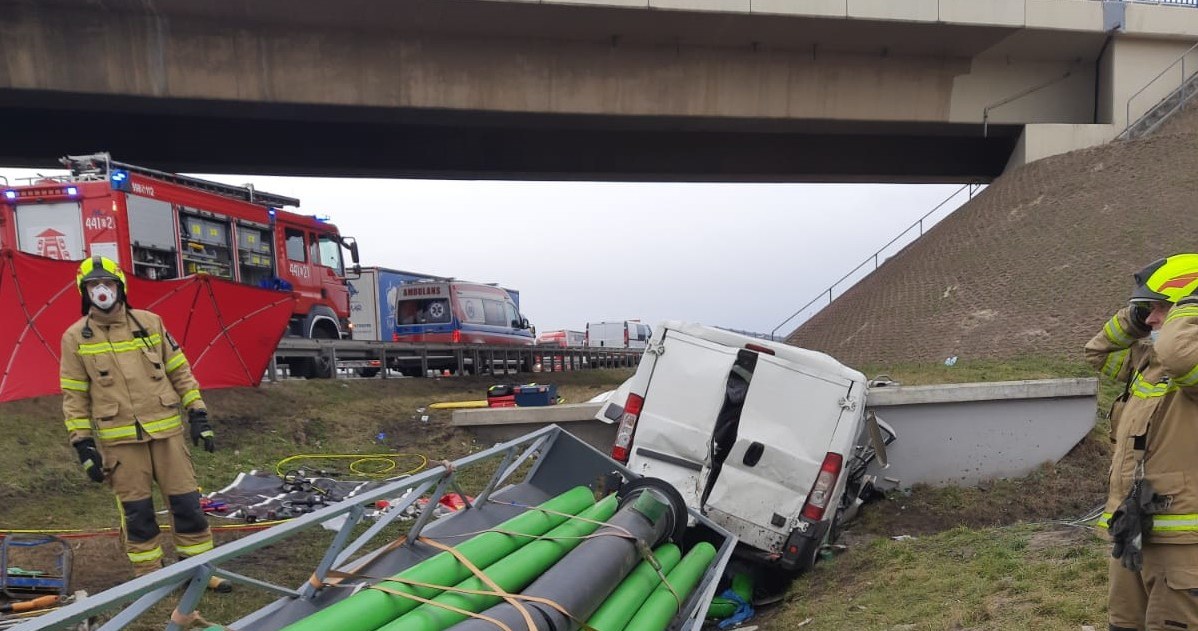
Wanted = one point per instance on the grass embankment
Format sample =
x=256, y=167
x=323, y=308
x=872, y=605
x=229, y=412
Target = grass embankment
x=42, y=486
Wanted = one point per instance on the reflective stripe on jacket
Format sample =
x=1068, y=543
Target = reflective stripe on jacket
x=1159, y=414
x=123, y=384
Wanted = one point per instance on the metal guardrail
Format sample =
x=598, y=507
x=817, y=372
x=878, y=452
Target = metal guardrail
x=461, y=358
x=874, y=257
x=1179, y=93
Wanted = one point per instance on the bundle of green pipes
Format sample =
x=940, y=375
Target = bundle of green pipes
x=641, y=601
x=370, y=609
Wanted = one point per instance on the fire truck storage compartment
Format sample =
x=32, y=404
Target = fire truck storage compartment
x=205, y=245
x=152, y=234
x=253, y=253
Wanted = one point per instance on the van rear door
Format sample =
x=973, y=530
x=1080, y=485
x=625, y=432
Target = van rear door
x=684, y=394
x=786, y=426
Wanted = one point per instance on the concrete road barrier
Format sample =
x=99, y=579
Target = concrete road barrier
x=961, y=434
x=501, y=424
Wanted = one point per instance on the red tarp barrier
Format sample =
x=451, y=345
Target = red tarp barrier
x=228, y=330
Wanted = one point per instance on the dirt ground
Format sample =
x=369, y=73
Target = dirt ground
x=1063, y=491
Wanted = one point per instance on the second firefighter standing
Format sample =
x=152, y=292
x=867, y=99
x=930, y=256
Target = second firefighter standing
x=1151, y=513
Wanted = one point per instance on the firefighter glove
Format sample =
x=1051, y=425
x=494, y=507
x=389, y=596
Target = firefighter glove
x=90, y=458
x=201, y=429
x=1137, y=313
x=1131, y=524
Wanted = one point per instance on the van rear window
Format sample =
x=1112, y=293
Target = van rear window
x=428, y=311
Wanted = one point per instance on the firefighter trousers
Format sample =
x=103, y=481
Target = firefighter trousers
x=1161, y=596
x=132, y=469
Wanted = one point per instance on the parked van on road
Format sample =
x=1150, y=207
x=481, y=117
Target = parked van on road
x=458, y=312
x=622, y=334
x=768, y=440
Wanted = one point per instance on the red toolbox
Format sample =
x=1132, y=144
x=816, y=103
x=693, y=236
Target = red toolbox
x=501, y=396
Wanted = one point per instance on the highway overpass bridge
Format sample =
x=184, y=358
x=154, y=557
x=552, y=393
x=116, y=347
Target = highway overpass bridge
x=720, y=90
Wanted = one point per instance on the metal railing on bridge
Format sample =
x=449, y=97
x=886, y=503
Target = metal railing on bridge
x=460, y=359
x=1172, y=101
x=1179, y=3
x=877, y=260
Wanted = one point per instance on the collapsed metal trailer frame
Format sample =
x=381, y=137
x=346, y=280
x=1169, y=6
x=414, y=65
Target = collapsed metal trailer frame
x=559, y=462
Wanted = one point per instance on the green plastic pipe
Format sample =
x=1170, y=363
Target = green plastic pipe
x=512, y=573
x=618, y=609
x=370, y=609
x=661, y=606
x=720, y=608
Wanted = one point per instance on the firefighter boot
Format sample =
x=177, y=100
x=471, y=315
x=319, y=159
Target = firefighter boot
x=219, y=585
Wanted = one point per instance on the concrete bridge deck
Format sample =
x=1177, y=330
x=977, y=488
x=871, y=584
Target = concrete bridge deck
x=775, y=90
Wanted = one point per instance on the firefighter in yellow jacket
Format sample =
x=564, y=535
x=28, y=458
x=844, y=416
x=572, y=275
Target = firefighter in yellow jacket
x=1151, y=510
x=124, y=381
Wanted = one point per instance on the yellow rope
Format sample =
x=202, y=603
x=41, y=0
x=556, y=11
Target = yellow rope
x=365, y=465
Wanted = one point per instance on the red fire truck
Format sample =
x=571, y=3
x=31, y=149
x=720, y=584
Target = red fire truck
x=160, y=225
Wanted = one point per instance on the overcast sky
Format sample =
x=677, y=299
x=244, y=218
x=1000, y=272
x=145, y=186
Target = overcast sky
x=744, y=256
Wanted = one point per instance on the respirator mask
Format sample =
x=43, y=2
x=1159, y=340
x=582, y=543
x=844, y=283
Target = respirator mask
x=102, y=296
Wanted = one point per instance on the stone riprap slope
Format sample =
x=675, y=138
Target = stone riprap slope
x=1032, y=266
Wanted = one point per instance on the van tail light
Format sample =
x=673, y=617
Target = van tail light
x=457, y=336
x=395, y=337
x=632, y=413
x=760, y=349
x=821, y=491
x=625, y=337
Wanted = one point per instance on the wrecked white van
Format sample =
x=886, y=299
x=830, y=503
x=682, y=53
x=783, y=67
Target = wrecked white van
x=768, y=440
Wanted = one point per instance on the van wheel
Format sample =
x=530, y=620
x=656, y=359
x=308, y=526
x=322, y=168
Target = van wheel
x=807, y=556
x=835, y=528
x=367, y=373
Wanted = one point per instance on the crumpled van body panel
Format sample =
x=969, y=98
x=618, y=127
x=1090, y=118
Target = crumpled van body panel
x=674, y=434
x=794, y=416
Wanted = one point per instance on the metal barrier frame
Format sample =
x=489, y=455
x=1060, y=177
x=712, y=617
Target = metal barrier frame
x=193, y=573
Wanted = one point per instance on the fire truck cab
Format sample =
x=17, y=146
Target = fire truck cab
x=160, y=225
